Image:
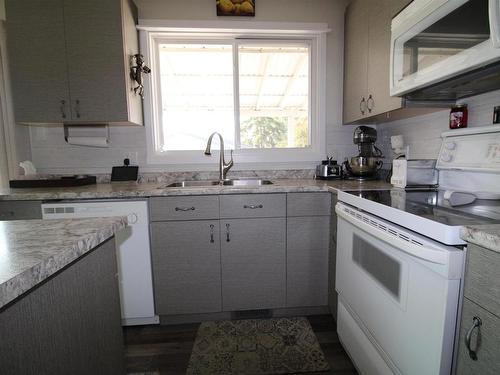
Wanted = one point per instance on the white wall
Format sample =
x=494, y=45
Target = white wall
x=52, y=155
x=423, y=133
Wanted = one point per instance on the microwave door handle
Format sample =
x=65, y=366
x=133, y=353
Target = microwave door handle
x=494, y=13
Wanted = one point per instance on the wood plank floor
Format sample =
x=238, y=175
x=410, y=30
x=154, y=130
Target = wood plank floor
x=166, y=349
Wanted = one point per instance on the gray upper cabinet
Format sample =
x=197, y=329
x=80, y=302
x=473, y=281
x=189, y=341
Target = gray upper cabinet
x=367, y=59
x=37, y=59
x=70, y=61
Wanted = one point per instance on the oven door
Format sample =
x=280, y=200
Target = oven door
x=435, y=40
x=401, y=289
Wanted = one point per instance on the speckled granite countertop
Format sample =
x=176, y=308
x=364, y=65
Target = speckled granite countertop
x=487, y=236
x=33, y=250
x=139, y=190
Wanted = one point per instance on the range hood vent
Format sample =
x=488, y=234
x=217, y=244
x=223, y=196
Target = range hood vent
x=472, y=83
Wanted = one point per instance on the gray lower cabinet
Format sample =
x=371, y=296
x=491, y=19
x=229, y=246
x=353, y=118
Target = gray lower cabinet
x=307, y=261
x=70, y=324
x=480, y=314
x=186, y=267
x=253, y=263
x=332, y=259
x=20, y=210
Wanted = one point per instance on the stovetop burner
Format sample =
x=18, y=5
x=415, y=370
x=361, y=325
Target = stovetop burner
x=430, y=204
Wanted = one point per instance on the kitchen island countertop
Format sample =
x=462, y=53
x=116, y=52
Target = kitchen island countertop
x=117, y=190
x=33, y=250
x=487, y=236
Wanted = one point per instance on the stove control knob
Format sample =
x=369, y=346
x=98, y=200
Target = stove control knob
x=450, y=145
x=446, y=157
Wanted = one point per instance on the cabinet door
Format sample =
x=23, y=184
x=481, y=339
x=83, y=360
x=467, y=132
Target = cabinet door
x=379, y=50
x=253, y=263
x=332, y=260
x=485, y=341
x=37, y=61
x=307, y=261
x=186, y=267
x=355, y=60
x=96, y=63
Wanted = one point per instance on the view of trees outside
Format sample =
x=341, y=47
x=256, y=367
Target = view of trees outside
x=274, y=132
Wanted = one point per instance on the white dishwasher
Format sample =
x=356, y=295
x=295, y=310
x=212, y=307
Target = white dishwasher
x=133, y=252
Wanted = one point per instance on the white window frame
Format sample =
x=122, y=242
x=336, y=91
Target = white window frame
x=152, y=33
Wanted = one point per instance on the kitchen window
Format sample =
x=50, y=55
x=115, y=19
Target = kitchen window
x=262, y=94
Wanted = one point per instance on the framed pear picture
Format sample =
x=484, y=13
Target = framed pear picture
x=236, y=8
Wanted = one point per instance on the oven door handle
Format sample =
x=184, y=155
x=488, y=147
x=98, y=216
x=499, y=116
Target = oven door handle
x=422, y=252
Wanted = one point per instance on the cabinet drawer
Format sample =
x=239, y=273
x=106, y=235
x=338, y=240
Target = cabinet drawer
x=485, y=341
x=482, y=284
x=308, y=204
x=20, y=210
x=184, y=208
x=253, y=205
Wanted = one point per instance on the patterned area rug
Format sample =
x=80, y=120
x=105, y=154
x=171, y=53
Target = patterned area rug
x=256, y=346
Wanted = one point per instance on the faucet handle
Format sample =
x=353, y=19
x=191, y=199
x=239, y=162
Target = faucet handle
x=231, y=161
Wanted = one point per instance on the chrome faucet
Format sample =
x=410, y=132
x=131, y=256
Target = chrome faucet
x=223, y=167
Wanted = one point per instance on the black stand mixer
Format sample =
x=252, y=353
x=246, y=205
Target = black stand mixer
x=366, y=165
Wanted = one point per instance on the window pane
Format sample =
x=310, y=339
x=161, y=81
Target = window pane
x=274, y=96
x=197, y=95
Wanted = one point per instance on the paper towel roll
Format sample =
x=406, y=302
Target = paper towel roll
x=88, y=141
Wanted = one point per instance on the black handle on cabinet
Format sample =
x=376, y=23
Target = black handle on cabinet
x=77, y=108
x=185, y=209
x=476, y=323
x=212, y=233
x=253, y=206
x=63, y=108
x=228, y=237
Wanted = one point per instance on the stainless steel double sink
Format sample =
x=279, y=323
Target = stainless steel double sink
x=235, y=182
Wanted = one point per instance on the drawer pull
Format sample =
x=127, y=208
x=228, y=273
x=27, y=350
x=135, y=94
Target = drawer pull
x=185, y=209
x=228, y=237
x=476, y=323
x=212, y=233
x=253, y=206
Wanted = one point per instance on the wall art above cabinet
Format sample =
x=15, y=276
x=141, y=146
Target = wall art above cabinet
x=70, y=61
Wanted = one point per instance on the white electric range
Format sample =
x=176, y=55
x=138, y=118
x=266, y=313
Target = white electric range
x=400, y=259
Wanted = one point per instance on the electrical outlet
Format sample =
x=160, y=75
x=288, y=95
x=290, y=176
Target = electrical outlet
x=133, y=157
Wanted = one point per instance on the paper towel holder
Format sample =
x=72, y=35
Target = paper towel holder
x=105, y=126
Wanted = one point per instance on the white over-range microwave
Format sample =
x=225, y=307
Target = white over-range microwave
x=445, y=49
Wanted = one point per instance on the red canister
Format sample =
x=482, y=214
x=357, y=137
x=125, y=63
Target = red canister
x=458, y=116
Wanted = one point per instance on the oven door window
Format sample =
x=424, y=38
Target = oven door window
x=460, y=30
x=380, y=266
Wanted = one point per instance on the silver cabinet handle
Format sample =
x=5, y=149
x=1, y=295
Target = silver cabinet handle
x=228, y=237
x=368, y=101
x=63, y=108
x=476, y=323
x=77, y=108
x=212, y=233
x=184, y=209
x=362, y=106
x=253, y=206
